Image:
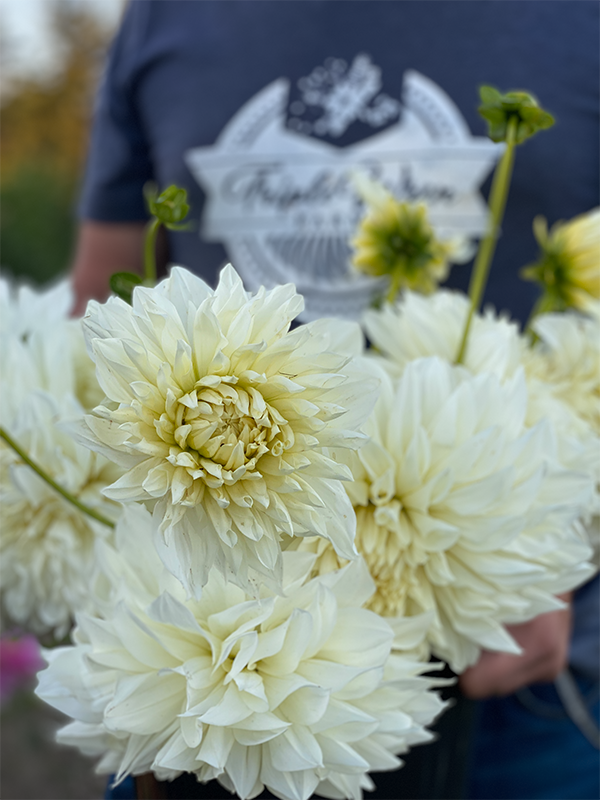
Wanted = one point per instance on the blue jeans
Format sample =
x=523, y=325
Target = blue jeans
x=124, y=791
x=525, y=747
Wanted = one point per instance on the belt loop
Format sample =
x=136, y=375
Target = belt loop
x=574, y=705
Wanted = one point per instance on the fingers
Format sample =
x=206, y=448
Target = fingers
x=545, y=644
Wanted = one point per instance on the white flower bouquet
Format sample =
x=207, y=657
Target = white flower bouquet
x=263, y=533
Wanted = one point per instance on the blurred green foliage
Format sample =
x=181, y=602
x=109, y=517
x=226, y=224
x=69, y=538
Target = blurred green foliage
x=37, y=222
x=44, y=135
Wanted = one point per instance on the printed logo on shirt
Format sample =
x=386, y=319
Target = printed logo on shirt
x=280, y=195
x=336, y=95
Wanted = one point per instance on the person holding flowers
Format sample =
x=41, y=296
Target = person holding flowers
x=145, y=126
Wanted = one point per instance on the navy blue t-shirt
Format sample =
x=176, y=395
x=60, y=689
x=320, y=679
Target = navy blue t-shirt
x=180, y=71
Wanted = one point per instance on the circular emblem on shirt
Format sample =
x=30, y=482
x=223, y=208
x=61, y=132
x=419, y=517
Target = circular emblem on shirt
x=279, y=191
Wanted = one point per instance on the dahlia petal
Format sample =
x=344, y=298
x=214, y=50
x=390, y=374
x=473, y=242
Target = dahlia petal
x=208, y=338
x=228, y=711
x=175, y=754
x=129, y=486
x=157, y=699
x=306, y=706
x=298, y=785
x=295, y=749
x=243, y=767
x=320, y=672
x=288, y=658
x=102, y=437
x=184, y=288
x=342, y=756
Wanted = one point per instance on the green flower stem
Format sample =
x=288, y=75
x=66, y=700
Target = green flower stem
x=150, y=251
x=57, y=488
x=487, y=247
x=543, y=305
x=395, y=281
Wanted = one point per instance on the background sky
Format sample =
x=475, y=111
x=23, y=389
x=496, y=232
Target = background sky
x=28, y=48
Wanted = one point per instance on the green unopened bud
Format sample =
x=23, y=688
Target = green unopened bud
x=170, y=206
x=498, y=109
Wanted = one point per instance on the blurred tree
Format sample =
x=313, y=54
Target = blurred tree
x=43, y=138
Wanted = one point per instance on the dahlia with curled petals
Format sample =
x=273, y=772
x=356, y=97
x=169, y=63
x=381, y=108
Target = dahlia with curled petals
x=222, y=418
x=463, y=511
x=562, y=368
x=298, y=693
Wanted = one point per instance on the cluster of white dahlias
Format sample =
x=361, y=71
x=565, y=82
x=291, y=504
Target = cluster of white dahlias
x=467, y=507
x=203, y=647
x=302, y=523
x=46, y=544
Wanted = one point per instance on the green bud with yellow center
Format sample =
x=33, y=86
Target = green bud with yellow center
x=568, y=266
x=396, y=239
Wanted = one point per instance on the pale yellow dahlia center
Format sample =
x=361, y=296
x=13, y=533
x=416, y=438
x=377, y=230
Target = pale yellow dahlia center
x=218, y=431
x=388, y=541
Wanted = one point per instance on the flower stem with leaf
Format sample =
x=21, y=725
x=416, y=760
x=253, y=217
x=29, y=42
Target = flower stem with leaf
x=168, y=208
x=51, y=482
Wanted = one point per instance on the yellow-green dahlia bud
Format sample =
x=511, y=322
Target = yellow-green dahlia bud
x=568, y=267
x=395, y=238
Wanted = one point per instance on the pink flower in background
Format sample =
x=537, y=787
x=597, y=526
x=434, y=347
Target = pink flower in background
x=20, y=659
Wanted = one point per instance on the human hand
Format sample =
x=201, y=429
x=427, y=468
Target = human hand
x=545, y=644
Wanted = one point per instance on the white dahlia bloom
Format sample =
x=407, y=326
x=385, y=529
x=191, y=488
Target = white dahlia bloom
x=562, y=370
x=462, y=511
x=565, y=361
x=297, y=693
x=46, y=544
x=24, y=310
x=222, y=418
x=41, y=346
x=417, y=327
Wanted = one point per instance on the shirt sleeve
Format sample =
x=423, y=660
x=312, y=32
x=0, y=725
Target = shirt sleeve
x=119, y=162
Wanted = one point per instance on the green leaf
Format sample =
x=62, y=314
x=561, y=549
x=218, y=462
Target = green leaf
x=489, y=95
x=123, y=284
